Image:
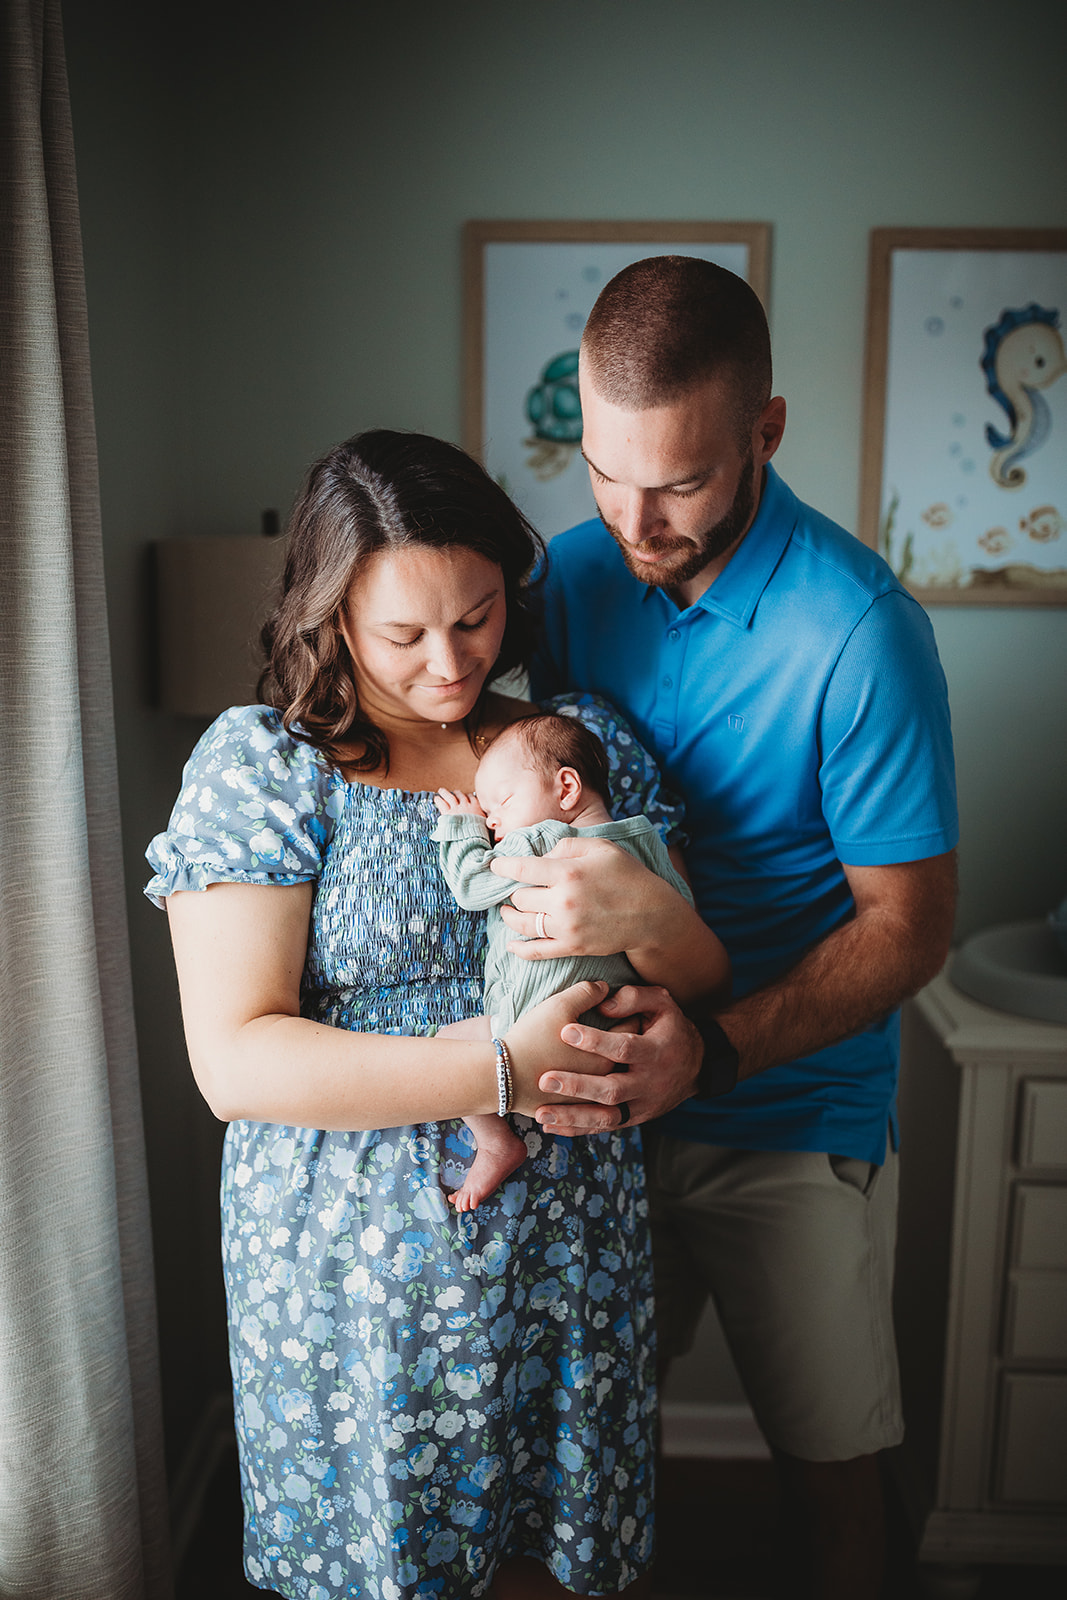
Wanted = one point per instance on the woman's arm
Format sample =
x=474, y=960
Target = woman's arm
x=240, y=952
x=598, y=899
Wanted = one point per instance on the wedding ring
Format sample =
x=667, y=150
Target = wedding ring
x=624, y=1113
x=540, y=925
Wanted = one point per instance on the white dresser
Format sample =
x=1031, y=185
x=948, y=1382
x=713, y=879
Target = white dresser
x=981, y=1298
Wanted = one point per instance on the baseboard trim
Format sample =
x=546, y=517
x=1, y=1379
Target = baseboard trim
x=1013, y=1538
x=211, y=1439
x=699, y=1430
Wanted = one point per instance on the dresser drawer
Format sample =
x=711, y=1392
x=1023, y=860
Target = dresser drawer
x=1032, y=1463
x=1043, y=1124
x=1036, y=1328
x=1039, y=1237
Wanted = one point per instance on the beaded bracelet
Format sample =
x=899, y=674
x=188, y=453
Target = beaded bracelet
x=503, y=1078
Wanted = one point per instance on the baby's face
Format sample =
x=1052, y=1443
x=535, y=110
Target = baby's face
x=511, y=793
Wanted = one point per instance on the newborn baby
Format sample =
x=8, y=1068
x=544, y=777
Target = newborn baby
x=543, y=779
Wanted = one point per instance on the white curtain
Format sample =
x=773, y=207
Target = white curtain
x=82, y=1495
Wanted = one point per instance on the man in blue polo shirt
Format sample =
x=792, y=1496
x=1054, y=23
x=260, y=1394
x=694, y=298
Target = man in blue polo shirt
x=791, y=691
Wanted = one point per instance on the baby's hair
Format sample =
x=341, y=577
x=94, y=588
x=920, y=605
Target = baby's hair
x=552, y=742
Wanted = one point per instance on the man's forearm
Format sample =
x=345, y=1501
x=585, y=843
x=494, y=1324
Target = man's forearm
x=837, y=990
x=849, y=980
x=896, y=942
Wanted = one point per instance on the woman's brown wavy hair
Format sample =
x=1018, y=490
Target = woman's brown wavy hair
x=382, y=490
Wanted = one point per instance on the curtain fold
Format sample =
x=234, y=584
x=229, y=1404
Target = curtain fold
x=82, y=1491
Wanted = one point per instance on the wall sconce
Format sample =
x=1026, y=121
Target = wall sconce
x=213, y=596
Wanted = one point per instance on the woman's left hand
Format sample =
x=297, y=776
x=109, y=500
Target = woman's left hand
x=595, y=899
x=589, y=897
x=535, y=1045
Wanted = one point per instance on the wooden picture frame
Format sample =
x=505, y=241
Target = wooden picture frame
x=527, y=290
x=964, y=467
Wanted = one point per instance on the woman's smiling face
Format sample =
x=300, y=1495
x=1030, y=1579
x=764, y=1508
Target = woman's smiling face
x=423, y=627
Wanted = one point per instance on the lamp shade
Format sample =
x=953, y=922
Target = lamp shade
x=213, y=597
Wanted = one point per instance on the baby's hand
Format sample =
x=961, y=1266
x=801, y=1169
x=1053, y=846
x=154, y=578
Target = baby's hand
x=453, y=802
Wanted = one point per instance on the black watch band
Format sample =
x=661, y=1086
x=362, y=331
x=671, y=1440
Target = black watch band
x=718, y=1073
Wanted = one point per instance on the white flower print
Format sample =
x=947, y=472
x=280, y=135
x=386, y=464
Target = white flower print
x=372, y=1329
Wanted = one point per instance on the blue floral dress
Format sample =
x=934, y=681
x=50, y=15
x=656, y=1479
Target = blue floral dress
x=419, y=1393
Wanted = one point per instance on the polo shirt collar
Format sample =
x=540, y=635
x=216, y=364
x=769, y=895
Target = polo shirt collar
x=736, y=591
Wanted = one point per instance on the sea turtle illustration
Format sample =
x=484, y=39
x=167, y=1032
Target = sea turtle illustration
x=555, y=411
x=1023, y=354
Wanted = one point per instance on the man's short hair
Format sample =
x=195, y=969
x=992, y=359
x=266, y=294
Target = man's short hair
x=550, y=742
x=668, y=323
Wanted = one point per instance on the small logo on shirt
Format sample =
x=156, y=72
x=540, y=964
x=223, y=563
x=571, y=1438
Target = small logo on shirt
x=736, y=722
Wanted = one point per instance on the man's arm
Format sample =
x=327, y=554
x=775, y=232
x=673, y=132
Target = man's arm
x=896, y=942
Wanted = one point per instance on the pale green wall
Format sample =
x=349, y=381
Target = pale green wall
x=272, y=198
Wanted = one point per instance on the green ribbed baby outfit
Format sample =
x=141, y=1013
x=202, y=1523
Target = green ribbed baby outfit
x=513, y=985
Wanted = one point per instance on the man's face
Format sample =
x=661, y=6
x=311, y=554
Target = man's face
x=675, y=486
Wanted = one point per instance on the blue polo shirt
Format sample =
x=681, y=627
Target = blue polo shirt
x=800, y=710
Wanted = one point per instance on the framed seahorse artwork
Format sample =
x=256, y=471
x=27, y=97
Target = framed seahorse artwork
x=964, y=485
x=528, y=288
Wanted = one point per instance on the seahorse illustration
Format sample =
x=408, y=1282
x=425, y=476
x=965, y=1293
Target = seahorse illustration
x=1023, y=354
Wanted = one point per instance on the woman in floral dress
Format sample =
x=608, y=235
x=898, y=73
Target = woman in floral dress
x=429, y=1404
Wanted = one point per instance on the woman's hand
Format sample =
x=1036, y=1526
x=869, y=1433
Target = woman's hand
x=535, y=1045
x=591, y=891
x=588, y=897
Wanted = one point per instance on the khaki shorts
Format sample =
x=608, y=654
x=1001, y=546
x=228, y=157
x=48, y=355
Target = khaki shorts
x=796, y=1250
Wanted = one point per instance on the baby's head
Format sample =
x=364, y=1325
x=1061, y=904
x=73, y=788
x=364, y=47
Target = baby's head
x=540, y=769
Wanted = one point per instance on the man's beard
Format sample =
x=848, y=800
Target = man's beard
x=689, y=559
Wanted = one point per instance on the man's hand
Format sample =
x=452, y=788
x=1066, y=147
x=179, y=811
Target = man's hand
x=655, y=1069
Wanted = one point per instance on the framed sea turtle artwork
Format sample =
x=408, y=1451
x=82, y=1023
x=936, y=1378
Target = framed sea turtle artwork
x=528, y=289
x=964, y=485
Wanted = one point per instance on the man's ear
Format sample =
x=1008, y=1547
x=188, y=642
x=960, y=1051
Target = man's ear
x=770, y=426
x=568, y=788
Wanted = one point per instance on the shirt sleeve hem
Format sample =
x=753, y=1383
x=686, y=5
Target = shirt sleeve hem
x=895, y=852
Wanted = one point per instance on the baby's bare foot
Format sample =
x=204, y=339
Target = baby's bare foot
x=487, y=1172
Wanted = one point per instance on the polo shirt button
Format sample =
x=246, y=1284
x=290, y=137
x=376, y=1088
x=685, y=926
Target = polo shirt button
x=674, y=636
x=667, y=682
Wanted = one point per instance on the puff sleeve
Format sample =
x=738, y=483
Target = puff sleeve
x=257, y=805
